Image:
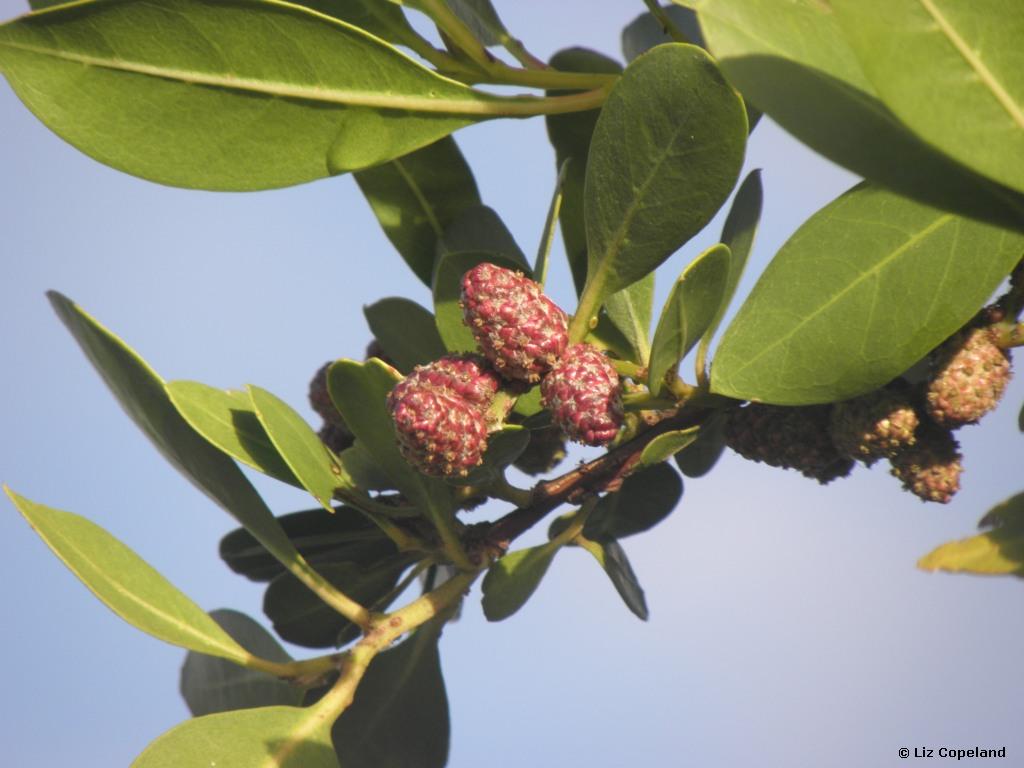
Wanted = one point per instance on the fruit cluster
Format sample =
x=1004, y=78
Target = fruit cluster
x=912, y=427
x=444, y=411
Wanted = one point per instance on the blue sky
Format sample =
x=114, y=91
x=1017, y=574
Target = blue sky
x=788, y=626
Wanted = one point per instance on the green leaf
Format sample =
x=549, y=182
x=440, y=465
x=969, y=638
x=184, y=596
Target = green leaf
x=209, y=684
x=268, y=737
x=570, y=135
x=666, y=446
x=630, y=311
x=229, y=82
x=301, y=617
x=512, y=579
x=951, y=71
x=792, y=61
x=612, y=558
x=321, y=537
x=384, y=20
x=996, y=552
x=503, y=447
x=227, y=420
x=406, y=330
x=358, y=463
x=417, y=197
x=143, y=396
x=1020, y=419
x=697, y=459
x=691, y=308
x=126, y=583
x=448, y=290
x=399, y=717
x=360, y=391
x=666, y=152
x=646, y=32
x=863, y=290
x=645, y=499
x=481, y=18
x=299, y=446
x=738, y=234
x=479, y=228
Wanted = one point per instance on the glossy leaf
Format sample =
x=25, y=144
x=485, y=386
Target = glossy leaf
x=570, y=135
x=399, y=717
x=360, y=390
x=935, y=61
x=645, y=499
x=512, y=579
x=630, y=311
x=666, y=446
x=995, y=552
x=666, y=152
x=863, y=290
x=479, y=228
x=792, y=61
x=301, y=617
x=697, y=459
x=229, y=82
x=227, y=420
x=503, y=447
x=143, y=396
x=406, y=330
x=448, y=290
x=299, y=446
x=612, y=558
x=738, y=234
x=417, y=197
x=322, y=538
x=126, y=583
x=209, y=684
x=691, y=308
x=268, y=737
x=646, y=32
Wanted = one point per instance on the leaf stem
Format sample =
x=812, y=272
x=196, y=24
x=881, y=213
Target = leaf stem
x=666, y=23
x=585, y=319
x=629, y=369
x=540, y=269
x=645, y=401
x=456, y=29
x=331, y=595
x=515, y=46
x=504, y=490
x=549, y=79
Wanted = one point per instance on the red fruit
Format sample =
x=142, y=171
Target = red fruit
x=439, y=432
x=584, y=396
x=468, y=376
x=519, y=329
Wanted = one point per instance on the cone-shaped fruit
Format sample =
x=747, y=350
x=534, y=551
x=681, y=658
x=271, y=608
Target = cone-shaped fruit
x=519, y=329
x=787, y=437
x=930, y=469
x=439, y=432
x=874, y=425
x=584, y=395
x=969, y=374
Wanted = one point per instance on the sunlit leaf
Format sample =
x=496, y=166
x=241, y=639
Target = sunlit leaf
x=862, y=291
x=995, y=552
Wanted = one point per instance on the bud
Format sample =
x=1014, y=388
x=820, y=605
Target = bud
x=519, y=329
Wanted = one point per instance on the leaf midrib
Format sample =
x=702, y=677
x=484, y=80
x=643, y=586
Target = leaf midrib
x=474, y=103
x=987, y=77
x=769, y=348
